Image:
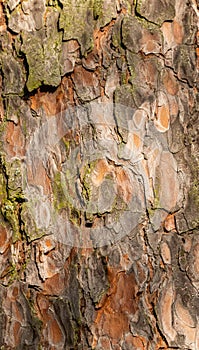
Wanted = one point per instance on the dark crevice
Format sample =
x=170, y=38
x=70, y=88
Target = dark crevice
x=157, y=324
x=137, y=14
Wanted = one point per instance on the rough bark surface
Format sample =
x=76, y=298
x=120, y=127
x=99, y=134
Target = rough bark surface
x=99, y=240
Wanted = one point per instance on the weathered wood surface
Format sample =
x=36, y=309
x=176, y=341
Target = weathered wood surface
x=99, y=240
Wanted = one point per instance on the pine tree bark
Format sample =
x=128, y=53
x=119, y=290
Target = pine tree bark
x=99, y=240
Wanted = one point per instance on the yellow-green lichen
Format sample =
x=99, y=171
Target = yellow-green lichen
x=76, y=19
x=10, y=212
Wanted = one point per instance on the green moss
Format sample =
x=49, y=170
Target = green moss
x=58, y=193
x=13, y=273
x=66, y=144
x=97, y=9
x=86, y=181
x=152, y=207
x=11, y=193
x=3, y=192
x=161, y=13
x=76, y=19
x=62, y=200
x=29, y=224
x=191, y=211
x=104, y=11
x=10, y=212
x=42, y=52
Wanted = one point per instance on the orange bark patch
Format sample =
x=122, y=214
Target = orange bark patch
x=197, y=54
x=15, y=292
x=136, y=140
x=124, y=185
x=173, y=33
x=167, y=32
x=16, y=332
x=165, y=253
x=101, y=35
x=54, y=102
x=115, y=325
x=170, y=83
x=169, y=223
x=163, y=118
x=177, y=32
x=17, y=313
x=54, y=285
x=48, y=244
x=166, y=312
x=149, y=41
x=15, y=140
x=39, y=177
x=101, y=170
x=3, y=240
x=113, y=317
x=55, y=333
x=43, y=305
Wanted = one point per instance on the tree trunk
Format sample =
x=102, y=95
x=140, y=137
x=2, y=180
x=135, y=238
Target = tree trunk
x=99, y=241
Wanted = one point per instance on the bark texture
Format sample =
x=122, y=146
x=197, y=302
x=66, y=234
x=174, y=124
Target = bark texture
x=99, y=240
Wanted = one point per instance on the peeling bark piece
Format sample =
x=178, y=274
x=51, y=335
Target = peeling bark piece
x=193, y=262
x=169, y=223
x=181, y=223
x=124, y=97
x=166, y=188
x=112, y=81
x=156, y=11
x=104, y=11
x=165, y=253
x=183, y=313
x=184, y=324
x=69, y=53
x=190, y=24
x=28, y=16
x=23, y=327
x=13, y=75
x=170, y=82
x=184, y=62
x=5, y=235
x=144, y=77
x=91, y=61
x=139, y=37
x=76, y=20
x=86, y=84
x=42, y=55
x=32, y=47
x=173, y=33
x=162, y=119
x=13, y=3
x=191, y=209
x=36, y=8
x=20, y=21
x=165, y=314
